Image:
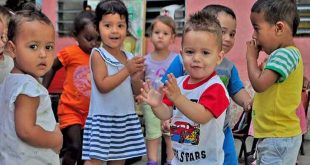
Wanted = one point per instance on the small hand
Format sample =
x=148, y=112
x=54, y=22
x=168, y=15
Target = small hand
x=58, y=147
x=135, y=64
x=252, y=49
x=165, y=125
x=247, y=105
x=171, y=88
x=150, y=95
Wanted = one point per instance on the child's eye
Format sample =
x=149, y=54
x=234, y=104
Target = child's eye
x=49, y=47
x=121, y=25
x=106, y=25
x=189, y=52
x=33, y=46
x=205, y=52
x=232, y=35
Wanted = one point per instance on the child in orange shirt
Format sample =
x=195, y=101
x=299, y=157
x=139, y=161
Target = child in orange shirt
x=74, y=101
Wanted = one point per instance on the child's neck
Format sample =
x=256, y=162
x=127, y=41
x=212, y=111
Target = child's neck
x=160, y=54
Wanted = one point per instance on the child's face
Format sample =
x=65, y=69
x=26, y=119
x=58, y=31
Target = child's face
x=201, y=54
x=228, y=24
x=161, y=36
x=2, y=40
x=264, y=34
x=32, y=50
x=113, y=28
x=88, y=38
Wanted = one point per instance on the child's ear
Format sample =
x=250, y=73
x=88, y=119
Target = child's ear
x=279, y=27
x=11, y=48
x=220, y=57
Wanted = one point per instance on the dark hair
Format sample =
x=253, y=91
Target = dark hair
x=28, y=14
x=81, y=20
x=201, y=21
x=278, y=10
x=216, y=9
x=167, y=20
x=105, y=7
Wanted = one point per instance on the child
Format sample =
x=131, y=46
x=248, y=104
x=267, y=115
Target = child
x=113, y=131
x=229, y=75
x=6, y=62
x=196, y=102
x=162, y=34
x=29, y=133
x=279, y=84
x=74, y=102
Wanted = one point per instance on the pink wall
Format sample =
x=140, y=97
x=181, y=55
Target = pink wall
x=237, y=54
x=244, y=32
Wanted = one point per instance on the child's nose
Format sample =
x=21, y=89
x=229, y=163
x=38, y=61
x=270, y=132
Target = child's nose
x=43, y=53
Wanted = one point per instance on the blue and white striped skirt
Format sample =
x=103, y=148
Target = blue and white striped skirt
x=113, y=138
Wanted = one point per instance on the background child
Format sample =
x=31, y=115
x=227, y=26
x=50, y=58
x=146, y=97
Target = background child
x=113, y=131
x=74, y=101
x=29, y=133
x=6, y=62
x=162, y=34
x=199, y=100
x=279, y=84
x=229, y=75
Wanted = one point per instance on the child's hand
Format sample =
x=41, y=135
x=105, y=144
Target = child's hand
x=137, y=76
x=58, y=147
x=165, y=125
x=150, y=95
x=135, y=64
x=252, y=49
x=171, y=88
x=247, y=105
x=306, y=84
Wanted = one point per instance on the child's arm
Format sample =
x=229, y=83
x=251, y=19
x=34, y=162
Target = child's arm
x=242, y=98
x=106, y=83
x=260, y=79
x=194, y=111
x=26, y=128
x=48, y=77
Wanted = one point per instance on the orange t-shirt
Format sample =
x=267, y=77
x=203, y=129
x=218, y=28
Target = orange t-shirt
x=76, y=89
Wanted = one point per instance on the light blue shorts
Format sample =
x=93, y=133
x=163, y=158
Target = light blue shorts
x=278, y=151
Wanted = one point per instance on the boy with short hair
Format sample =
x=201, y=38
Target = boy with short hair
x=279, y=84
x=196, y=103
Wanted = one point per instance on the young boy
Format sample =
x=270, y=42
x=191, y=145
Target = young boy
x=196, y=103
x=279, y=84
x=229, y=75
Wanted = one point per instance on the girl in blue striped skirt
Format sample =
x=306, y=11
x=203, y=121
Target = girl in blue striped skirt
x=113, y=132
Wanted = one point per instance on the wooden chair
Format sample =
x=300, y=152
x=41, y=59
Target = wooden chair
x=241, y=132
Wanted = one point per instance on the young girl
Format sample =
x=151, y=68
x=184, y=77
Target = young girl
x=29, y=133
x=74, y=102
x=6, y=62
x=113, y=131
x=162, y=34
